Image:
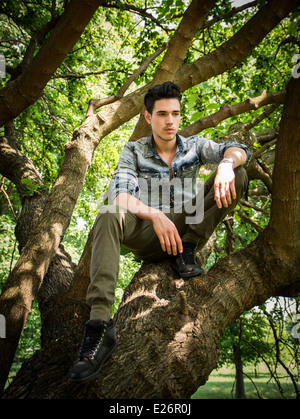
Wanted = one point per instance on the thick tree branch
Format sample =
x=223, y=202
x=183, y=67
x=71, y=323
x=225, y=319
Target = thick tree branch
x=27, y=88
x=236, y=48
x=168, y=331
x=15, y=166
x=227, y=111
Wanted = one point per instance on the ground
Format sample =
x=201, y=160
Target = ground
x=221, y=385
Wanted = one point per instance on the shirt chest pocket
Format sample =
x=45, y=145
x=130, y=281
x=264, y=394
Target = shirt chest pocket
x=147, y=180
x=189, y=170
x=144, y=177
x=155, y=188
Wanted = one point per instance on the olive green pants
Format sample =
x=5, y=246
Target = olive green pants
x=115, y=226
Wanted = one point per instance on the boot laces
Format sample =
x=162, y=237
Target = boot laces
x=92, y=339
x=188, y=256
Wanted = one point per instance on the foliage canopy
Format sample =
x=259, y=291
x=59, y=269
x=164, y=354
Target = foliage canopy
x=118, y=39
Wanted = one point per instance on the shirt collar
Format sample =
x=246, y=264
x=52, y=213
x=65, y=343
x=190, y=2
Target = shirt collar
x=151, y=149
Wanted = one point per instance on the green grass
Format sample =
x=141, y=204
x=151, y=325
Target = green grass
x=221, y=385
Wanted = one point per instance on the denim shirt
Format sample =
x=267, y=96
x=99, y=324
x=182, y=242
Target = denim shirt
x=141, y=171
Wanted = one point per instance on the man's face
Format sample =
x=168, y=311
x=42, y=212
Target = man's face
x=165, y=119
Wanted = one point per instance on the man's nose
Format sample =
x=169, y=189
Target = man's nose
x=169, y=119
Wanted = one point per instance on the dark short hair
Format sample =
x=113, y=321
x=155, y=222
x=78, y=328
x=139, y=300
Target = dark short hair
x=167, y=90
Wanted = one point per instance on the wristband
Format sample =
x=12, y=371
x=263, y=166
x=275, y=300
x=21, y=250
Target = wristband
x=228, y=160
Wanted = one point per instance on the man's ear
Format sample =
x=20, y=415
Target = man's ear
x=147, y=116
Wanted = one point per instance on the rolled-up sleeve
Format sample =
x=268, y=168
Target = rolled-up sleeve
x=125, y=176
x=228, y=144
x=212, y=152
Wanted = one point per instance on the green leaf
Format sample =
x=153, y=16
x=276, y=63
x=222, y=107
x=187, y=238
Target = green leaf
x=195, y=116
x=30, y=186
x=212, y=106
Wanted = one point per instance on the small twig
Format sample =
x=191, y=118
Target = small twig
x=12, y=257
x=267, y=112
x=260, y=150
x=249, y=220
x=255, y=386
x=7, y=197
x=255, y=207
x=97, y=103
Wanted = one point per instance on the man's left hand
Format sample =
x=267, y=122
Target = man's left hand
x=224, y=185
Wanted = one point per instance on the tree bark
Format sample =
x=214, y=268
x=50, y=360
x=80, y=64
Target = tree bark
x=23, y=91
x=168, y=332
x=240, y=387
x=227, y=111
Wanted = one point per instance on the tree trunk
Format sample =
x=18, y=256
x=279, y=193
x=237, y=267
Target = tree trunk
x=239, y=375
x=168, y=332
x=169, y=329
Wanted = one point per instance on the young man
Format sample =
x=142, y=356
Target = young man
x=156, y=213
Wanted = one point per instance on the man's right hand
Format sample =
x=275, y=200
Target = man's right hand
x=164, y=228
x=167, y=233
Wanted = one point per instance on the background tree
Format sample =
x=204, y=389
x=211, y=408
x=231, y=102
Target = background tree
x=222, y=58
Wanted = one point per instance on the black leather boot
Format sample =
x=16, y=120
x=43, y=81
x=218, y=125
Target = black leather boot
x=98, y=343
x=184, y=263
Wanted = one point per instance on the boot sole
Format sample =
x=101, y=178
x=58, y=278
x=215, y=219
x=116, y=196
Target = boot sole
x=187, y=275
x=95, y=374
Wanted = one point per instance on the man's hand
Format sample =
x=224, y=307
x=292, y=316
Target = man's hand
x=225, y=177
x=224, y=185
x=167, y=233
x=164, y=228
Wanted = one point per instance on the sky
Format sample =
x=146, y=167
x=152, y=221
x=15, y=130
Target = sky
x=237, y=3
